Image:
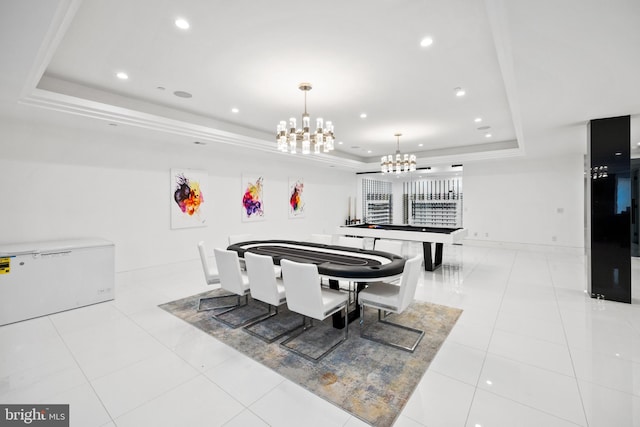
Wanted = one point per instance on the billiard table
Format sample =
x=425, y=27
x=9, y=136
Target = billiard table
x=412, y=233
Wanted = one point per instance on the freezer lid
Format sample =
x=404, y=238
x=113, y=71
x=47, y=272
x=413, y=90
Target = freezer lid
x=16, y=249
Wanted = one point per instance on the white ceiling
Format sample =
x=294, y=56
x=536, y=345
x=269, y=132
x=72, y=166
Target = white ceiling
x=536, y=72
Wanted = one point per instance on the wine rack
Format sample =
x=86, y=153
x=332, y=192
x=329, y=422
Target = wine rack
x=437, y=213
x=377, y=204
x=433, y=202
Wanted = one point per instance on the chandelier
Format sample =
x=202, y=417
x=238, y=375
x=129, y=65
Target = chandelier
x=406, y=163
x=288, y=138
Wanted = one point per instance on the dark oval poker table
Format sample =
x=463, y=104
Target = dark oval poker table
x=337, y=262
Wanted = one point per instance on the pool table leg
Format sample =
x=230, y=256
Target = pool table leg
x=431, y=263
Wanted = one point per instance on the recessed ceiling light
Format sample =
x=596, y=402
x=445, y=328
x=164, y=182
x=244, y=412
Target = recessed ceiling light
x=618, y=154
x=489, y=382
x=235, y=110
x=182, y=23
x=363, y=115
x=369, y=151
x=638, y=143
x=340, y=143
x=427, y=41
x=477, y=119
x=459, y=92
x=420, y=145
x=182, y=94
x=487, y=135
x=122, y=75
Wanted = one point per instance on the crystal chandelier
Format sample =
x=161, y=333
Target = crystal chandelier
x=322, y=139
x=406, y=163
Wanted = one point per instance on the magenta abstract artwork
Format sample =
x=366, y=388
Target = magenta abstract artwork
x=252, y=198
x=188, y=201
x=296, y=198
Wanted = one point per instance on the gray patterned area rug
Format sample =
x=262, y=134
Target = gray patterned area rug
x=367, y=379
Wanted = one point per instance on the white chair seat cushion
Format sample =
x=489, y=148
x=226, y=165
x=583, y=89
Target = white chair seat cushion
x=212, y=276
x=281, y=295
x=380, y=294
x=332, y=300
x=245, y=283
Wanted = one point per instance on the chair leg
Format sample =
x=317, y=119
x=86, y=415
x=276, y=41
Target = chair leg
x=201, y=300
x=217, y=317
x=346, y=323
x=352, y=293
x=268, y=316
x=381, y=319
x=351, y=289
x=306, y=328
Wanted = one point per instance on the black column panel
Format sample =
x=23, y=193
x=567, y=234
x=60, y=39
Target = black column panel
x=635, y=212
x=609, y=222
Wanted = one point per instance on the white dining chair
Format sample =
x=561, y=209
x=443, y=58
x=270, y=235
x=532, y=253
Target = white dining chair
x=351, y=242
x=391, y=246
x=210, y=274
x=237, y=238
x=267, y=288
x=233, y=281
x=305, y=296
x=388, y=298
x=323, y=239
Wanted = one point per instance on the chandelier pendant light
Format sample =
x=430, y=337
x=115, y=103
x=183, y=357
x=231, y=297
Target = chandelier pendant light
x=399, y=164
x=288, y=137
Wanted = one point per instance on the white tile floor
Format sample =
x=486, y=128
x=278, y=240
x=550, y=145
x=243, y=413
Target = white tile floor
x=530, y=349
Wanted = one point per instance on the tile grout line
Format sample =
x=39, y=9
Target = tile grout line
x=89, y=381
x=486, y=352
x=508, y=398
x=564, y=332
x=83, y=372
x=246, y=407
x=127, y=315
x=181, y=358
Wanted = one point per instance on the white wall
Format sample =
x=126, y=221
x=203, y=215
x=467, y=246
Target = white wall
x=532, y=201
x=67, y=183
x=536, y=201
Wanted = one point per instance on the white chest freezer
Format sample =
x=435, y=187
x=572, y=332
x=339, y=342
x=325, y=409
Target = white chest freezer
x=41, y=278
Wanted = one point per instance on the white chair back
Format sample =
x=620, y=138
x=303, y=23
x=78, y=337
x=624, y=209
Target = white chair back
x=409, y=282
x=229, y=271
x=262, y=281
x=391, y=246
x=351, y=242
x=325, y=239
x=236, y=238
x=302, y=288
x=210, y=274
